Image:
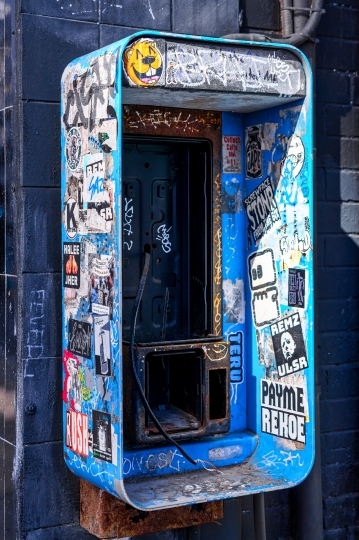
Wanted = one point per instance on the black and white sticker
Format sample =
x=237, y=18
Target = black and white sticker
x=261, y=209
x=101, y=432
x=80, y=338
x=73, y=148
x=288, y=344
x=296, y=287
x=263, y=279
x=262, y=270
x=102, y=335
x=283, y=410
x=71, y=217
x=253, y=152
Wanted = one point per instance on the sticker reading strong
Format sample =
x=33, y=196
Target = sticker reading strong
x=283, y=411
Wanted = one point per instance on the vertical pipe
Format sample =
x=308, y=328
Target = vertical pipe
x=259, y=516
x=307, y=502
x=227, y=528
x=300, y=17
x=287, y=18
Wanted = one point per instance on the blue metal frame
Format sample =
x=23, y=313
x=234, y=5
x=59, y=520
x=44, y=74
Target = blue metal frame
x=248, y=459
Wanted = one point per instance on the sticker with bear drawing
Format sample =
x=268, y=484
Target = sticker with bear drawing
x=143, y=62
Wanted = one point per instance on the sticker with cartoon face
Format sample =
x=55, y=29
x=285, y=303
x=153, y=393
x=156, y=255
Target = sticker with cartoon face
x=143, y=63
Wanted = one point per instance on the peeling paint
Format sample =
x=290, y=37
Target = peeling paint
x=234, y=303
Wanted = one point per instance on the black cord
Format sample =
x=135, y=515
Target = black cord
x=145, y=403
x=164, y=315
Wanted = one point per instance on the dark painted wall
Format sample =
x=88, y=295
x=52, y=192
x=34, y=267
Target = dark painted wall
x=338, y=283
x=38, y=496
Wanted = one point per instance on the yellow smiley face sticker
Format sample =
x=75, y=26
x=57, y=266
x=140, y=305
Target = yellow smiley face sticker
x=143, y=63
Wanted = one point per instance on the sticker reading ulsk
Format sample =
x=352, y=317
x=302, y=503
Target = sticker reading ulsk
x=288, y=345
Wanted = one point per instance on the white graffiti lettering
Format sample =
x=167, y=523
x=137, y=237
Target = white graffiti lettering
x=164, y=237
x=127, y=224
x=294, y=243
x=139, y=463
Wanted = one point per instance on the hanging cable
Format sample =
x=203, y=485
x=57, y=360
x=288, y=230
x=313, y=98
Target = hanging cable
x=145, y=403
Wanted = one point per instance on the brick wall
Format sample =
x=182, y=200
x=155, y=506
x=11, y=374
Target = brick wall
x=338, y=260
x=50, y=33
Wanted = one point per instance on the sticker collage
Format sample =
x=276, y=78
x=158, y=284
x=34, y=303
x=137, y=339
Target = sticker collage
x=90, y=132
x=279, y=269
x=278, y=260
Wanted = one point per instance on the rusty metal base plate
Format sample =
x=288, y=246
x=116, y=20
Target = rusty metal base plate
x=105, y=516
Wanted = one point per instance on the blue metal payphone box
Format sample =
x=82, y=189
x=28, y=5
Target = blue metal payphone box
x=187, y=244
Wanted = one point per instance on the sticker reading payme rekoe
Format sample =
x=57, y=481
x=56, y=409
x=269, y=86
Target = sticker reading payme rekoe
x=283, y=410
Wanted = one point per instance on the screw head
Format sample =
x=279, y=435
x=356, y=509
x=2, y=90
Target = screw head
x=30, y=409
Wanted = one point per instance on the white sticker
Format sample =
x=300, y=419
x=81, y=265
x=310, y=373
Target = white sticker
x=94, y=180
x=231, y=154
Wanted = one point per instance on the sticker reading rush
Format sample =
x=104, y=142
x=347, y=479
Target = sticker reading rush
x=77, y=438
x=283, y=412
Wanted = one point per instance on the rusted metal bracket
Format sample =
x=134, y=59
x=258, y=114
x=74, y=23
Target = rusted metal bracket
x=106, y=517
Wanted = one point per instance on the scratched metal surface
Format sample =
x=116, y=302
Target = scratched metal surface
x=197, y=487
x=274, y=143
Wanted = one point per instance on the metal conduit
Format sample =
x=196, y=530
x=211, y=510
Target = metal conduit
x=299, y=37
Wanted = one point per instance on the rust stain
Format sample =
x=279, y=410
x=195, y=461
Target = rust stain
x=105, y=516
x=217, y=313
x=156, y=121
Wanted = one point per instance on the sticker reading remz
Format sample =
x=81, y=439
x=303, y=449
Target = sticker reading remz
x=283, y=411
x=288, y=344
x=71, y=262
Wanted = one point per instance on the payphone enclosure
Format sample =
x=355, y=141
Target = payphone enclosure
x=187, y=245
